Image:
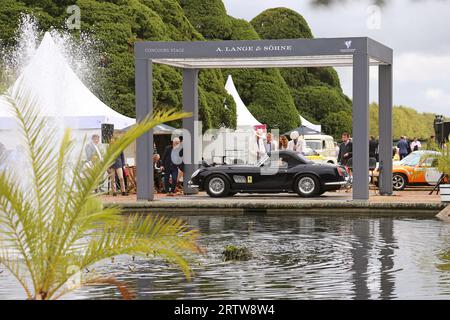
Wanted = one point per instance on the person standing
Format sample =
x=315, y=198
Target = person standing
x=157, y=171
x=345, y=149
x=116, y=170
x=93, y=148
x=284, y=143
x=373, y=148
x=409, y=145
x=403, y=147
x=170, y=165
x=270, y=144
x=297, y=144
x=415, y=145
x=260, y=145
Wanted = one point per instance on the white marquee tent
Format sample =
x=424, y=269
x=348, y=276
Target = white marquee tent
x=306, y=123
x=244, y=116
x=60, y=94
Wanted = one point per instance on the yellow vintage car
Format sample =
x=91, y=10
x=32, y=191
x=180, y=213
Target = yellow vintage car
x=416, y=169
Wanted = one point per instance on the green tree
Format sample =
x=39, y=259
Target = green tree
x=116, y=25
x=57, y=226
x=281, y=23
x=274, y=109
x=336, y=123
x=316, y=102
x=209, y=17
x=316, y=92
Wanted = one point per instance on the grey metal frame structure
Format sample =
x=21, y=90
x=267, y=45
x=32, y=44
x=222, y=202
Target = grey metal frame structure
x=359, y=53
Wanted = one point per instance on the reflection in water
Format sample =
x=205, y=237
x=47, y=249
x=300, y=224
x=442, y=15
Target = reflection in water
x=295, y=257
x=387, y=280
x=360, y=258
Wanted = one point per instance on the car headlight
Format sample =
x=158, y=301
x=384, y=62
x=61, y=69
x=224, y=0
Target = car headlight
x=196, y=172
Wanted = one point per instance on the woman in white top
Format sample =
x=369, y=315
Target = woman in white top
x=297, y=144
x=260, y=145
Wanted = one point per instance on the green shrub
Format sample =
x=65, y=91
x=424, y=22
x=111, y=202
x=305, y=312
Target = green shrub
x=209, y=17
x=276, y=110
x=281, y=23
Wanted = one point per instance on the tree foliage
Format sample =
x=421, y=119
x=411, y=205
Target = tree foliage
x=316, y=92
x=209, y=17
x=324, y=105
x=406, y=122
x=117, y=24
x=281, y=23
x=212, y=20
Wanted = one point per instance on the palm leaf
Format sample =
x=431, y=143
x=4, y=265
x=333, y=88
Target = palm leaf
x=55, y=222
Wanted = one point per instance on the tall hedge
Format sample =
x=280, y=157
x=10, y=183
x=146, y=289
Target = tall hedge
x=272, y=95
x=316, y=92
x=281, y=23
x=116, y=25
x=211, y=18
x=318, y=102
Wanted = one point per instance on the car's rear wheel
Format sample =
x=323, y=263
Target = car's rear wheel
x=399, y=181
x=217, y=186
x=307, y=186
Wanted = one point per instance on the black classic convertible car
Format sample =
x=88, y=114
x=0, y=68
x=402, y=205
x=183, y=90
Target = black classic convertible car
x=281, y=171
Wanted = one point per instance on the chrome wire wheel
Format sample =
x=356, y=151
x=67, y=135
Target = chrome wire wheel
x=398, y=182
x=306, y=185
x=216, y=185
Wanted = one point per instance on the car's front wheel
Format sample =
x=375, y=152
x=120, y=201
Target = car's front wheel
x=307, y=186
x=399, y=181
x=217, y=186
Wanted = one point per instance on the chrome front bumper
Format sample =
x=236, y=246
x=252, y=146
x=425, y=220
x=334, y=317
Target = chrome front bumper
x=346, y=182
x=192, y=185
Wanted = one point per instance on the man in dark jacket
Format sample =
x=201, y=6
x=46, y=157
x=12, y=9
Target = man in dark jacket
x=373, y=148
x=345, y=149
x=403, y=146
x=169, y=167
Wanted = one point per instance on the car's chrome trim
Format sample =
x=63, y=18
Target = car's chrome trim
x=191, y=185
x=338, y=183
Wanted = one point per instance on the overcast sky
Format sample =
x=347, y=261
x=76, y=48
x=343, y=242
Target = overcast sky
x=417, y=30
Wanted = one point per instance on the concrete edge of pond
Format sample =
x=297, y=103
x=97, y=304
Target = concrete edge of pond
x=283, y=208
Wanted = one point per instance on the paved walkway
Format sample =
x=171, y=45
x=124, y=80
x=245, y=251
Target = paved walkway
x=407, y=196
x=410, y=201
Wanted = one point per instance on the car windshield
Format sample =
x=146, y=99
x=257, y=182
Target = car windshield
x=269, y=161
x=415, y=158
x=314, y=144
x=411, y=160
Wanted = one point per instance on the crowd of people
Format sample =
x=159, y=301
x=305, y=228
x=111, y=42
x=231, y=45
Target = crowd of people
x=405, y=147
x=265, y=143
x=169, y=168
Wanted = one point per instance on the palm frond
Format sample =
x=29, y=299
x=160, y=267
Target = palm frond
x=56, y=222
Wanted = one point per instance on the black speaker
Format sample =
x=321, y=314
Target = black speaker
x=107, y=132
x=438, y=129
x=445, y=131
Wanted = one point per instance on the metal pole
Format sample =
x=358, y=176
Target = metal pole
x=191, y=145
x=144, y=145
x=360, y=127
x=385, y=128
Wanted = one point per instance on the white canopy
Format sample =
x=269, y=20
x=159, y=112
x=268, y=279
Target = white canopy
x=60, y=93
x=306, y=123
x=244, y=117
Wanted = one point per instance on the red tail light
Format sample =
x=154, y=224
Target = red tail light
x=340, y=171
